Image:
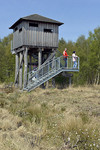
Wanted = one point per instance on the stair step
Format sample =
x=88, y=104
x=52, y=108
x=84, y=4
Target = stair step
x=44, y=75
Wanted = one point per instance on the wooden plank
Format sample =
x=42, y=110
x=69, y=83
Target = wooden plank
x=20, y=70
x=30, y=62
x=39, y=57
x=16, y=69
x=25, y=66
x=35, y=36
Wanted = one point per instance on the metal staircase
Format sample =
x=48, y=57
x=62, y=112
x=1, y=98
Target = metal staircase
x=48, y=70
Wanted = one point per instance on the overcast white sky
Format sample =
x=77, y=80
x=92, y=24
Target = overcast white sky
x=79, y=16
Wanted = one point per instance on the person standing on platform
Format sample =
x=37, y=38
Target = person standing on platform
x=74, y=58
x=65, y=56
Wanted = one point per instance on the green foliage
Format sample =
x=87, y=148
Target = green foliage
x=84, y=117
x=56, y=118
x=87, y=49
x=89, y=52
x=7, y=60
x=61, y=81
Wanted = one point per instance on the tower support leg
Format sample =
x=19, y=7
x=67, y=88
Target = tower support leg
x=30, y=61
x=16, y=69
x=69, y=80
x=25, y=66
x=21, y=70
x=39, y=57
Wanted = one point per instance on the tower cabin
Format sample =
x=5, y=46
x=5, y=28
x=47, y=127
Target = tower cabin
x=35, y=37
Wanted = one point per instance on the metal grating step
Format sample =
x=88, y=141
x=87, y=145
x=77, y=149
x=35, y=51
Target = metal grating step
x=48, y=71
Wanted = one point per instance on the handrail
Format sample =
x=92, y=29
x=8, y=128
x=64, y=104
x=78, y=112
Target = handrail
x=61, y=57
x=53, y=65
x=47, y=71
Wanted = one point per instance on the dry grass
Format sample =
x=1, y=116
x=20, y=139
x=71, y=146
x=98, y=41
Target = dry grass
x=50, y=119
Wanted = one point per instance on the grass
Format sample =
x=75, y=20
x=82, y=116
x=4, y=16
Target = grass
x=53, y=119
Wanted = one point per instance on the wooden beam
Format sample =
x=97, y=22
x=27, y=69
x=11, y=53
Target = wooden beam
x=19, y=49
x=69, y=80
x=53, y=83
x=20, y=70
x=25, y=66
x=53, y=64
x=39, y=57
x=47, y=84
x=16, y=69
x=40, y=62
x=30, y=62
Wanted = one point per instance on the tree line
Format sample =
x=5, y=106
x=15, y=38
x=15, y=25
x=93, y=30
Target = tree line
x=7, y=60
x=89, y=52
x=87, y=49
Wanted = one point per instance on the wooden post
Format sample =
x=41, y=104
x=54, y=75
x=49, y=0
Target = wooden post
x=30, y=61
x=53, y=82
x=20, y=70
x=70, y=80
x=53, y=65
x=39, y=57
x=40, y=62
x=25, y=67
x=47, y=84
x=16, y=69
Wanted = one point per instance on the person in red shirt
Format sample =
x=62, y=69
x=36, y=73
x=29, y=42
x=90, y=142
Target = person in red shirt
x=65, y=56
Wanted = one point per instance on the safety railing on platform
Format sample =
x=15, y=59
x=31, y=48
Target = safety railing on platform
x=52, y=67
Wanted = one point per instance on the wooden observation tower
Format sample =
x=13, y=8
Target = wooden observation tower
x=34, y=38
x=35, y=41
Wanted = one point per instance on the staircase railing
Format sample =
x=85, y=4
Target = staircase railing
x=50, y=69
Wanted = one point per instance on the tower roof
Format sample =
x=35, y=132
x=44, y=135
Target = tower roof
x=38, y=18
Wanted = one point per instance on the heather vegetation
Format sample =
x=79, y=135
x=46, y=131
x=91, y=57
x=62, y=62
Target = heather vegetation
x=55, y=118
x=50, y=119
